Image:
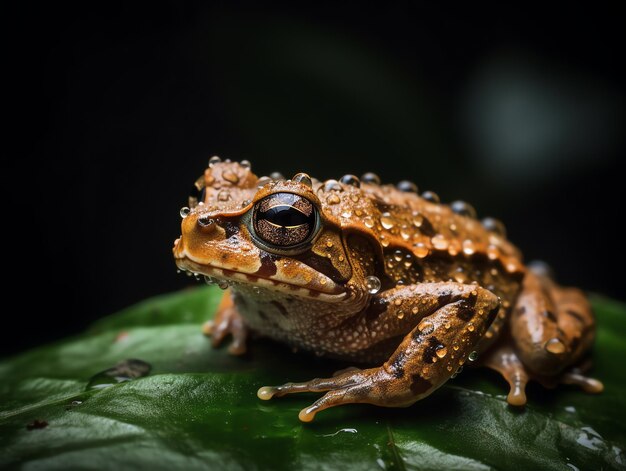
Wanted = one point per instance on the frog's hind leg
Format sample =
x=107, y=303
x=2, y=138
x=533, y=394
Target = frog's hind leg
x=551, y=328
x=449, y=319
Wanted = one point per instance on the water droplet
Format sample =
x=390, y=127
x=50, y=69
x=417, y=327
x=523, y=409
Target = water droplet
x=329, y=244
x=441, y=351
x=386, y=221
x=184, y=212
x=245, y=203
x=332, y=185
x=398, y=302
x=245, y=164
x=303, y=178
x=454, y=248
x=417, y=219
x=333, y=199
x=341, y=259
x=455, y=348
x=125, y=370
x=426, y=327
x=400, y=314
x=351, y=180
x=468, y=247
x=214, y=160
x=205, y=221
x=223, y=195
x=473, y=356
x=277, y=176
x=408, y=260
x=415, y=310
x=223, y=284
x=541, y=268
x=370, y=177
x=209, y=280
x=440, y=242
x=431, y=196
x=420, y=250
x=368, y=221
x=555, y=346
x=448, y=325
x=264, y=180
x=459, y=370
x=397, y=255
x=463, y=208
x=493, y=252
x=346, y=214
x=407, y=186
x=372, y=284
x=494, y=225
x=470, y=327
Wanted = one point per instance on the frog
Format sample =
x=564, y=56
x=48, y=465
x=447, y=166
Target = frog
x=405, y=288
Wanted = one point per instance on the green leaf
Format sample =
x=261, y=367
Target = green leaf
x=198, y=409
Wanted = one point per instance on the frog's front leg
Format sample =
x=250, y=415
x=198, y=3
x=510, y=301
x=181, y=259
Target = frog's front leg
x=227, y=321
x=448, y=320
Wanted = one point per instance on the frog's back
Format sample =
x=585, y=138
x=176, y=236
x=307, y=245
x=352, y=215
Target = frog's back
x=420, y=240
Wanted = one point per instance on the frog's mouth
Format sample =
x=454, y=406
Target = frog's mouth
x=301, y=282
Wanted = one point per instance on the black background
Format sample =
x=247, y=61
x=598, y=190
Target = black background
x=113, y=112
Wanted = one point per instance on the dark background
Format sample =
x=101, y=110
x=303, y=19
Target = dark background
x=113, y=113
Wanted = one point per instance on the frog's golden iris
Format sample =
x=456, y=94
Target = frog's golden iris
x=284, y=220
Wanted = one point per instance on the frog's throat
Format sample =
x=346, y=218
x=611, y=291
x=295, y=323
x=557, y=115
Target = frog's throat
x=321, y=289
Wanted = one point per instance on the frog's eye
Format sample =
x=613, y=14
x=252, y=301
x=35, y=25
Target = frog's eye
x=284, y=220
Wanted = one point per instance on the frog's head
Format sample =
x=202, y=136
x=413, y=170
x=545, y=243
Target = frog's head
x=268, y=233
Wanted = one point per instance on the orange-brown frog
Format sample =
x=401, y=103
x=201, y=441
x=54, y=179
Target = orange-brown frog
x=376, y=274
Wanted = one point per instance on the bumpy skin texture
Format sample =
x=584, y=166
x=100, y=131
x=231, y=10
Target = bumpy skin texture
x=378, y=275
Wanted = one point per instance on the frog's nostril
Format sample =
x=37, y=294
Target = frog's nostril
x=205, y=221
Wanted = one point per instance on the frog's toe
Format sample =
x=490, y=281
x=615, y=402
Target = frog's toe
x=505, y=361
x=587, y=384
x=315, y=385
x=224, y=325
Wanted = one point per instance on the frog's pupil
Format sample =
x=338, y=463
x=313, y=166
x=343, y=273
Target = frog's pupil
x=286, y=216
x=284, y=220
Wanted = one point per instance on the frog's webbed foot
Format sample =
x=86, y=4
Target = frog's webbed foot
x=227, y=321
x=503, y=359
x=551, y=329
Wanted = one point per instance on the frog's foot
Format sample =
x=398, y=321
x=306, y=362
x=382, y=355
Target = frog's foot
x=503, y=359
x=373, y=386
x=552, y=327
x=227, y=321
